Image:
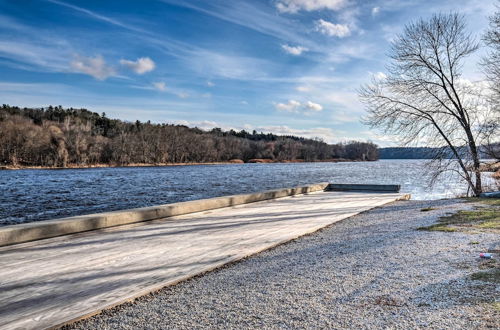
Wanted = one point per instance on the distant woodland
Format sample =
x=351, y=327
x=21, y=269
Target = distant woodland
x=58, y=137
x=485, y=152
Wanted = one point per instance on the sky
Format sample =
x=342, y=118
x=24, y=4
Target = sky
x=280, y=66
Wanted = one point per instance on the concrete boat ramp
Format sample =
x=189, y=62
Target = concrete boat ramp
x=53, y=281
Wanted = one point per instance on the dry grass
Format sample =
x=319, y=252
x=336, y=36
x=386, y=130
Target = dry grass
x=484, y=201
x=492, y=275
x=485, y=217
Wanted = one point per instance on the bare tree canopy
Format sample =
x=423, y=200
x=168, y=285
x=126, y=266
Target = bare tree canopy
x=491, y=64
x=492, y=61
x=424, y=99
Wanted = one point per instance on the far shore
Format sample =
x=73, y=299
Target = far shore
x=231, y=162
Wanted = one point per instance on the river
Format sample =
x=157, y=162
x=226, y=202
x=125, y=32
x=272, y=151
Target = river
x=36, y=195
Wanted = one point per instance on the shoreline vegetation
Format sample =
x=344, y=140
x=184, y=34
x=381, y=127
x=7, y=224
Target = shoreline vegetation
x=230, y=162
x=55, y=137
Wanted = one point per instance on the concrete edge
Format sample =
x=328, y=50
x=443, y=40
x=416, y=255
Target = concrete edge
x=364, y=187
x=21, y=233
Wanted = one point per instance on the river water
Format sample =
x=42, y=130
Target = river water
x=35, y=195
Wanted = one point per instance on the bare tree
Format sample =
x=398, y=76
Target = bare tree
x=491, y=64
x=424, y=100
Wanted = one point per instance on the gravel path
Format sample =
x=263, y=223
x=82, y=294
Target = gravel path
x=371, y=271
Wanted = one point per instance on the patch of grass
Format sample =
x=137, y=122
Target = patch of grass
x=427, y=209
x=474, y=243
x=488, y=264
x=495, y=224
x=496, y=305
x=437, y=227
x=484, y=200
x=487, y=276
x=485, y=218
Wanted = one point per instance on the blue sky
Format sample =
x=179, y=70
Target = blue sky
x=282, y=66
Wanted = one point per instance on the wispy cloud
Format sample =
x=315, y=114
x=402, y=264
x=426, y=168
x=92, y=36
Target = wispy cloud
x=311, y=106
x=160, y=85
x=251, y=15
x=226, y=66
x=93, y=66
x=139, y=66
x=290, y=106
x=96, y=16
x=294, y=106
x=331, y=29
x=294, y=6
x=302, y=89
x=294, y=50
x=38, y=57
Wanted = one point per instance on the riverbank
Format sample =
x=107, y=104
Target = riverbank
x=373, y=270
x=231, y=162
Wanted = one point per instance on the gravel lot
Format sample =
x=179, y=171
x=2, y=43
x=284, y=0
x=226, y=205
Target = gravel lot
x=371, y=271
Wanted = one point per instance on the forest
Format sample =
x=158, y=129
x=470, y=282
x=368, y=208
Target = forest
x=490, y=151
x=59, y=137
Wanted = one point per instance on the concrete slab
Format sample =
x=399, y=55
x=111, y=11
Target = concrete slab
x=54, y=281
x=33, y=231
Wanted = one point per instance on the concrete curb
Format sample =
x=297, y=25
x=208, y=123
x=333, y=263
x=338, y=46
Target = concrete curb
x=21, y=233
x=364, y=187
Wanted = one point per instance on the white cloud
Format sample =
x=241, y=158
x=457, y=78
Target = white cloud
x=302, y=89
x=313, y=106
x=93, y=66
x=379, y=76
x=331, y=29
x=210, y=84
x=324, y=133
x=204, y=124
x=375, y=11
x=244, y=102
x=139, y=66
x=298, y=107
x=294, y=50
x=182, y=95
x=160, y=85
x=291, y=106
x=294, y=6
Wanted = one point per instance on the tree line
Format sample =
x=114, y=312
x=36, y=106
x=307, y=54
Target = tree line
x=485, y=152
x=59, y=137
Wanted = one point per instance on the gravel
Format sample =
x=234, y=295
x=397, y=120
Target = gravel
x=371, y=271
